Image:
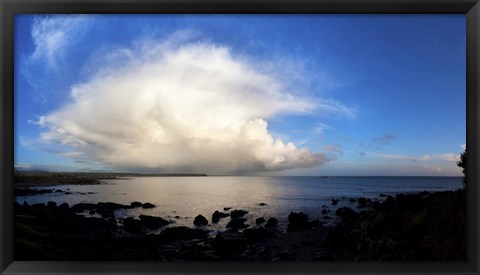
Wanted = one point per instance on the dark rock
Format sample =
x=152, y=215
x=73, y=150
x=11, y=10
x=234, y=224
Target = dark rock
x=383, y=195
x=335, y=201
x=177, y=217
x=153, y=222
x=362, y=202
x=262, y=204
x=286, y=255
x=226, y=208
x=297, y=222
x=238, y=213
x=236, y=224
x=324, y=211
x=51, y=204
x=91, y=212
x=132, y=225
x=352, y=200
x=200, y=220
x=272, y=222
x=136, y=204
x=230, y=243
x=68, y=193
x=58, y=191
x=182, y=233
x=260, y=220
x=148, y=205
x=217, y=216
x=314, y=224
x=257, y=235
x=347, y=214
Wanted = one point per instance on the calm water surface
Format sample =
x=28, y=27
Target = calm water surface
x=187, y=197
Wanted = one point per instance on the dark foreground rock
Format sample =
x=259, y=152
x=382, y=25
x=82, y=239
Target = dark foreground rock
x=426, y=226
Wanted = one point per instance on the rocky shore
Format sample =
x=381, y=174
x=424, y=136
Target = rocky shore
x=425, y=226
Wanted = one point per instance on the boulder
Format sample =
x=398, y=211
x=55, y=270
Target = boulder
x=152, y=222
x=136, y=204
x=148, y=205
x=347, y=214
x=238, y=213
x=200, y=220
x=272, y=222
x=236, y=224
x=297, y=222
x=217, y=216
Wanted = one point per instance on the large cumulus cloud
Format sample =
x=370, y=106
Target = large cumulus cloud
x=180, y=106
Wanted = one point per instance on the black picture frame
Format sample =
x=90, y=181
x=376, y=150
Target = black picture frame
x=9, y=8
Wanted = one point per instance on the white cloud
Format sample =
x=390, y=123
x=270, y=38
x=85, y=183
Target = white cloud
x=183, y=107
x=464, y=146
x=53, y=34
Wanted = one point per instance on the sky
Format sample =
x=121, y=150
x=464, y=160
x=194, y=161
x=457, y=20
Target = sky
x=337, y=95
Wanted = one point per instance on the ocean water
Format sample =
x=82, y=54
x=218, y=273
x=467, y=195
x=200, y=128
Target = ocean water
x=180, y=199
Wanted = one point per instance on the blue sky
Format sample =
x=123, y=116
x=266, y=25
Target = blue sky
x=241, y=94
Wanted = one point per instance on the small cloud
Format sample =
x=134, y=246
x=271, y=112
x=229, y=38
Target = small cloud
x=337, y=148
x=320, y=128
x=53, y=34
x=383, y=140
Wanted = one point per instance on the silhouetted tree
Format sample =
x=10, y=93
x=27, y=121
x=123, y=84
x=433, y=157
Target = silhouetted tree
x=463, y=164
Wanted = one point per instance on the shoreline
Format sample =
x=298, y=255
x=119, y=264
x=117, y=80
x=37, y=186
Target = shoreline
x=377, y=231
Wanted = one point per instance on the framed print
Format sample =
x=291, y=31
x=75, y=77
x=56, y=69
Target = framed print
x=254, y=137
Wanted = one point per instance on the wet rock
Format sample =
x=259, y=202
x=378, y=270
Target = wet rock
x=148, y=205
x=324, y=211
x=51, y=204
x=91, y=212
x=383, y=195
x=335, y=201
x=352, y=200
x=226, y=208
x=216, y=216
x=152, y=222
x=272, y=222
x=200, y=220
x=260, y=220
x=236, y=224
x=238, y=213
x=297, y=222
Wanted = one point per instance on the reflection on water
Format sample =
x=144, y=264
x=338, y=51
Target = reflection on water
x=186, y=197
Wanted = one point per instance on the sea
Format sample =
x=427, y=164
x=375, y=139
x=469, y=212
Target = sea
x=181, y=199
